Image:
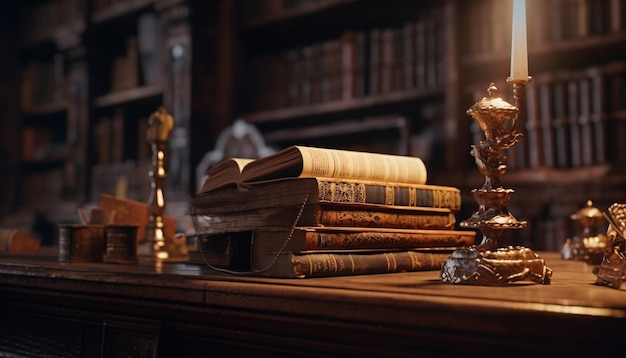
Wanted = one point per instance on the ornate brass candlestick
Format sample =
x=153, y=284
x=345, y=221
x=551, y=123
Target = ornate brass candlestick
x=160, y=125
x=490, y=262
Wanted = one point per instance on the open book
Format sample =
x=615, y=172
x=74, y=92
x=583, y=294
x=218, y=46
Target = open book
x=300, y=161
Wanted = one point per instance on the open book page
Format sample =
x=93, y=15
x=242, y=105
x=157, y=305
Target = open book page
x=286, y=163
x=317, y=162
x=226, y=172
x=301, y=161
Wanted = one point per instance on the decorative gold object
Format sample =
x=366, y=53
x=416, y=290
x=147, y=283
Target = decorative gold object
x=491, y=263
x=612, y=271
x=160, y=125
x=588, y=245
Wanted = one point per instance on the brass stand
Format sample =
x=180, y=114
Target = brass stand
x=491, y=263
x=588, y=245
x=160, y=125
x=612, y=270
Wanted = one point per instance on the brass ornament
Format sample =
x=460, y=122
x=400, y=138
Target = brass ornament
x=491, y=263
x=612, y=271
x=587, y=245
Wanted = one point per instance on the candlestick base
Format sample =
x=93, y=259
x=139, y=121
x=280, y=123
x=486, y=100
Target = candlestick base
x=494, y=268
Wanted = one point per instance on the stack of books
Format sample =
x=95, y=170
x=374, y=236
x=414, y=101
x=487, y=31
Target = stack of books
x=314, y=212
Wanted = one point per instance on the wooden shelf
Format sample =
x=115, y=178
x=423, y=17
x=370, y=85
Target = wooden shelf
x=345, y=127
x=45, y=109
x=604, y=42
x=43, y=164
x=129, y=95
x=618, y=114
x=56, y=35
x=310, y=8
x=120, y=9
x=556, y=175
x=328, y=108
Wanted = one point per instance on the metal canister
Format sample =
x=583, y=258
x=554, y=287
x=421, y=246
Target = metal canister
x=121, y=244
x=81, y=243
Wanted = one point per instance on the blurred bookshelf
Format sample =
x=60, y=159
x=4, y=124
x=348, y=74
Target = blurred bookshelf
x=350, y=74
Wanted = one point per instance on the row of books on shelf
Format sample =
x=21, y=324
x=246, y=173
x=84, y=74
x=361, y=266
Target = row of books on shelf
x=40, y=19
x=571, y=19
x=43, y=17
x=314, y=212
x=570, y=114
x=140, y=64
x=548, y=22
x=125, y=68
x=492, y=33
x=360, y=63
x=117, y=138
x=43, y=83
x=43, y=143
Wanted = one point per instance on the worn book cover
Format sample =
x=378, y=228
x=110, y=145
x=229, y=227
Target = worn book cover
x=338, y=238
x=300, y=191
x=325, y=214
x=320, y=264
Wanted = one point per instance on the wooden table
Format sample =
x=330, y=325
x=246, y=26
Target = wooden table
x=65, y=310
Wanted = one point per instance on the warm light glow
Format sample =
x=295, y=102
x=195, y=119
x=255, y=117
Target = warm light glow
x=160, y=198
x=519, y=51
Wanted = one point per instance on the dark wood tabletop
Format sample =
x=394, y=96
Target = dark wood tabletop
x=189, y=308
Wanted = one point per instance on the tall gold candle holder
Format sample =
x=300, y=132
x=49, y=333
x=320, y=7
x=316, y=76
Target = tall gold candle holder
x=160, y=124
x=492, y=263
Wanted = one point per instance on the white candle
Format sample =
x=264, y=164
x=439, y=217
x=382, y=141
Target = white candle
x=519, y=52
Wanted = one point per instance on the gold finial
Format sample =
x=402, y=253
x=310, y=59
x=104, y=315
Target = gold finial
x=492, y=90
x=160, y=124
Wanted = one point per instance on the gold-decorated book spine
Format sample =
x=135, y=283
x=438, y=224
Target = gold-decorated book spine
x=337, y=264
x=388, y=194
x=381, y=219
x=370, y=239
